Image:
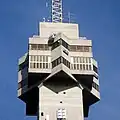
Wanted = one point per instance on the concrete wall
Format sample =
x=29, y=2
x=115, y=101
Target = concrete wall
x=70, y=30
x=71, y=102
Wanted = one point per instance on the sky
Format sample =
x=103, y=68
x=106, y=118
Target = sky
x=99, y=20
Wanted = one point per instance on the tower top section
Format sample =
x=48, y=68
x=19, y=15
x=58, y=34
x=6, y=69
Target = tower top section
x=56, y=11
x=48, y=28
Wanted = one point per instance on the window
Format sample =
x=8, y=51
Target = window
x=40, y=58
x=90, y=68
x=77, y=60
x=56, y=44
x=83, y=66
x=66, y=52
x=38, y=61
x=76, y=48
x=31, y=65
x=37, y=58
x=87, y=67
x=60, y=42
x=42, y=114
x=89, y=60
x=38, y=47
x=65, y=44
x=37, y=65
x=46, y=65
x=22, y=83
x=86, y=49
x=79, y=48
x=95, y=69
x=40, y=65
x=95, y=86
x=81, y=60
x=80, y=66
x=43, y=58
x=46, y=47
x=46, y=58
x=84, y=59
x=60, y=60
x=33, y=46
x=77, y=66
x=81, y=63
x=43, y=65
x=32, y=58
x=72, y=48
x=74, y=66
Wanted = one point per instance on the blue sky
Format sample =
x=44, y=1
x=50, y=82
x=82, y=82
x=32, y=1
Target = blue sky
x=99, y=20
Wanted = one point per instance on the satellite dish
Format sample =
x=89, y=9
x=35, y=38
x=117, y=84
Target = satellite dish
x=51, y=39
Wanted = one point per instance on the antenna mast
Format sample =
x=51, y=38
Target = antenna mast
x=56, y=11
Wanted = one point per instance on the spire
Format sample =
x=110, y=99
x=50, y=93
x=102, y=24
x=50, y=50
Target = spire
x=56, y=10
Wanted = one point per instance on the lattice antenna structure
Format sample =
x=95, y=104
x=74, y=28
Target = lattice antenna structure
x=56, y=11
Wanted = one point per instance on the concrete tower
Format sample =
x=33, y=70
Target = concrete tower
x=58, y=76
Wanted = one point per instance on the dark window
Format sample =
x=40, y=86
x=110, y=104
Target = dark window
x=34, y=65
x=42, y=114
x=43, y=65
x=56, y=44
x=33, y=46
x=23, y=65
x=66, y=52
x=60, y=42
x=86, y=48
x=83, y=66
x=77, y=66
x=39, y=47
x=90, y=68
x=37, y=65
x=60, y=60
x=46, y=65
x=65, y=44
x=46, y=47
x=80, y=66
x=40, y=65
x=95, y=69
x=76, y=48
x=22, y=83
x=95, y=86
x=72, y=48
x=87, y=67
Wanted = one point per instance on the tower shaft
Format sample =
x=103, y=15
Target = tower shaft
x=56, y=11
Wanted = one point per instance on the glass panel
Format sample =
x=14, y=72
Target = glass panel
x=46, y=58
x=47, y=65
x=90, y=68
x=34, y=65
x=87, y=67
x=77, y=66
x=74, y=66
x=33, y=46
x=86, y=49
x=83, y=66
x=40, y=58
x=80, y=66
x=37, y=65
x=40, y=65
x=43, y=65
